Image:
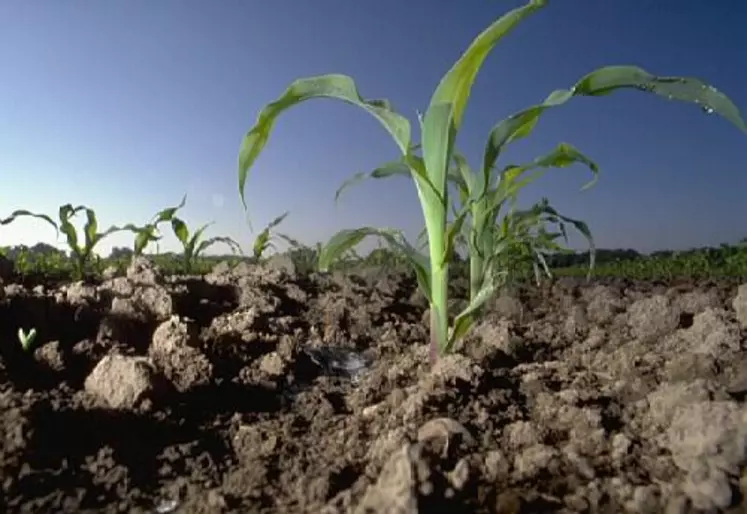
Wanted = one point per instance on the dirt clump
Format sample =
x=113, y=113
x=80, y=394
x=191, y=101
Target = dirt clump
x=257, y=389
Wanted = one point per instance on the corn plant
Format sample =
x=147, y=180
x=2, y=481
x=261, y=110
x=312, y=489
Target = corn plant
x=31, y=261
x=520, y=236
x=147, y=234
x=428, y=164
x=194, y=245
x=524, y=232
x=82, y=255
x=304, y=257
x=487, y=238
x=264, y=239
x=385, y=258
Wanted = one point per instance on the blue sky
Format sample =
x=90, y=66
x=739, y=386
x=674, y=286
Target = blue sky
x=126, y=106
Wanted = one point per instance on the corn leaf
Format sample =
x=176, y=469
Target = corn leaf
x=562, y=156
x=24, y=213
x=180, y=231
x=207, y=243
x=334, y=86
x=456, y=85
x=168, y=213
x=345, y=240
x=386, y=170
x=604, y=81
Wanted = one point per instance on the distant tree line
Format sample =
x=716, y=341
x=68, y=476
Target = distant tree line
x=558, y=260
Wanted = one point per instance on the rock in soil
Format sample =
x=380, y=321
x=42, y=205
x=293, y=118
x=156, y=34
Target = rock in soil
x=258, y=390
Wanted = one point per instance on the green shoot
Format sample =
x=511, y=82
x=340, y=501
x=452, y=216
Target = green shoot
x=264, y=239
x=194, y=245
x=82, y=255
x=147, y=234
x=524, y=236
x=26, y=339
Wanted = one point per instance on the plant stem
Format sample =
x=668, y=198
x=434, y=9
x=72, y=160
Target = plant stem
x=440, y=298
x=475, y=274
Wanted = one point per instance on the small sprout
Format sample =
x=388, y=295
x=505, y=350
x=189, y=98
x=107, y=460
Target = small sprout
x=147, y=234
x=194, y=244
x=264, y=239
x=26, y=340
x=82, y=254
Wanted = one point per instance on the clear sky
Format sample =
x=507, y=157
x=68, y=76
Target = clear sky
x=127, y=105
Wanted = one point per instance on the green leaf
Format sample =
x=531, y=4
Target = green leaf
x=180, y=231
x=198, y=233
x=410, y=164
x=603, y=82
x=455, y=87
x=540, y=257
x=439, y=132
x=90, y=229
x=193, y=249
x=464, y=320
x=453, y=230
x=463, y=177
x=446, y=110
x=565, y=155
x=334, y=86
x=581, y=227
x=168, y=213
x=277, y=221
x=293, y=243
x=517, y=232
x=24, y=213
x=147, y=234
x=66, y=212
x=111, y=230
x=509, y=185
x=262, y=242
x=346, y=240
x=144, y=236
x=207, y=243
x=386, y=170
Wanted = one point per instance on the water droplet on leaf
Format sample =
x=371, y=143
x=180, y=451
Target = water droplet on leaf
x=712, y=89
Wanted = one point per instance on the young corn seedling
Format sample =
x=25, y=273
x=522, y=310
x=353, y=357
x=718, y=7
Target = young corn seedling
x=384, y=258
x=26, y=339
x=82, y=255
x=524, y=236
x=429, y=168
x=304, y=257
x=147, y=234
x=491, y=243
x=264, y=239
x=488, y=240
x=194, y=245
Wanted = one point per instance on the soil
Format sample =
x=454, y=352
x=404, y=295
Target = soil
x=261, y=390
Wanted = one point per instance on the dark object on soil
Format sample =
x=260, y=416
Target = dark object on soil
x=339, y=361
